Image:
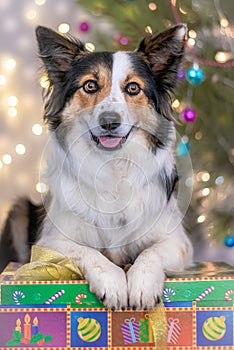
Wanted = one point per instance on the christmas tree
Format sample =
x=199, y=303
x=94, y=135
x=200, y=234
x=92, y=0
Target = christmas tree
x=203, y=103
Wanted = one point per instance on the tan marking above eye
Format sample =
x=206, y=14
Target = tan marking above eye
x=86, y=78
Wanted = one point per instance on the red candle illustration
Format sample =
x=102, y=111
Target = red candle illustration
x=18, y=325
x=35, y=326
x=27, y=327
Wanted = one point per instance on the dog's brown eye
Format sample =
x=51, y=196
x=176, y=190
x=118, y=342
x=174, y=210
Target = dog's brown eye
x=90, y=86
x=133, y=89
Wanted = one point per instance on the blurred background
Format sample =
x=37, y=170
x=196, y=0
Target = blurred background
x=203, y=103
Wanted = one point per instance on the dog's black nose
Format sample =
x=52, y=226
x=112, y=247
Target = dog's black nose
x=109, y=120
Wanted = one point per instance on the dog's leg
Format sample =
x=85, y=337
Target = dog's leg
x=106, y=280
x=146, y=276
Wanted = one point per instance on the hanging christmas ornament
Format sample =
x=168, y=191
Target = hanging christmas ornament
x=188, y=115
x=181, y=73
x=182, y=149
x=195, y=75
x=84, y=27
x=123, y=40
x=229, y=241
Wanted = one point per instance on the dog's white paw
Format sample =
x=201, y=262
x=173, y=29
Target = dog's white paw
x=109, y=283
x=145, y=287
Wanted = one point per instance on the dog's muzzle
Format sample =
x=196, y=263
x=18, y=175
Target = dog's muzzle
x=109, y=134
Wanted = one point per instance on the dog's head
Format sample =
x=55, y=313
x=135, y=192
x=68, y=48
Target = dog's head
x=118, y=96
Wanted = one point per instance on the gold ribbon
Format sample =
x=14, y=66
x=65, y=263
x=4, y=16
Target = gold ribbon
x=157, y=318
x=48, y=265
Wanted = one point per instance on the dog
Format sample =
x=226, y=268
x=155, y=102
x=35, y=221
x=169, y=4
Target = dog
x=111, y=170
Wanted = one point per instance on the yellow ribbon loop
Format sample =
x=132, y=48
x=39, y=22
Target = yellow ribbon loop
x=48, y=265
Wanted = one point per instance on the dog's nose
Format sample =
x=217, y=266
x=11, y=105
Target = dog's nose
x=109, y=120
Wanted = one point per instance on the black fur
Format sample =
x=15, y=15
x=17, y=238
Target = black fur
x=164, y=54
x=11, y=239
x=170, y=182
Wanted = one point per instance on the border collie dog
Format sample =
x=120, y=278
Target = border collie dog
x=111, y=170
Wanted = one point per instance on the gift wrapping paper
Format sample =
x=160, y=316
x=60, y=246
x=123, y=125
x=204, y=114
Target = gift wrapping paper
x=61, y=315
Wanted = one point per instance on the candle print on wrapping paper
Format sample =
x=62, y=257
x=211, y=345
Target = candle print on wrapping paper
x=28, y=334
x=130, y=330
x=25, y=328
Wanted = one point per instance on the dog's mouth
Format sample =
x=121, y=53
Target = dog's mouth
x=110, y=141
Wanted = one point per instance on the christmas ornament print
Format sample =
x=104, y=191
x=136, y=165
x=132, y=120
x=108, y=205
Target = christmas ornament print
x=214, y=328
x=205, y=293
x=89, y=329
x=16, y=295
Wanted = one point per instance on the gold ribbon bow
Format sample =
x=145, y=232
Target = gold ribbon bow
x=48, y=265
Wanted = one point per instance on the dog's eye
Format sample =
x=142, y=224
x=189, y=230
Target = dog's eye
x=133, y=89
x=90, y=86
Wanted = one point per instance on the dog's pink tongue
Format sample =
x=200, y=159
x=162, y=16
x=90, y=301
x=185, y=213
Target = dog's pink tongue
x=109, y=141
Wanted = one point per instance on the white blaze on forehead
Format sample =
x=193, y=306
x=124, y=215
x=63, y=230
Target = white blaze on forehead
x=115, y=100
x=120, y=69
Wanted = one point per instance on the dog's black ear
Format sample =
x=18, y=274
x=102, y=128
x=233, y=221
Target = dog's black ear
x=164, y=53
x=57, y=51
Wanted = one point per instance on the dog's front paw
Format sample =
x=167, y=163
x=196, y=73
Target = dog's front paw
x=145, y=287
x=109, y=283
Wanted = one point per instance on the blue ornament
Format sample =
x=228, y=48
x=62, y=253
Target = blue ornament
x=183, y=149
x=229, y=241
x=195, y=76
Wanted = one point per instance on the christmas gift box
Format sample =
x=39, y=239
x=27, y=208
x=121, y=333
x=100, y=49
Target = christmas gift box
x=56, y=314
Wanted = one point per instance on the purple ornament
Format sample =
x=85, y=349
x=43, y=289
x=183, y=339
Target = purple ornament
x=123, y=40
x=84, y=26
x=188, y=115
x=181, y=73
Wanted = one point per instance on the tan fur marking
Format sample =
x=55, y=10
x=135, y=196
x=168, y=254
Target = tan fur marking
x=82, y=99
x=182, y=252
x=139, y=99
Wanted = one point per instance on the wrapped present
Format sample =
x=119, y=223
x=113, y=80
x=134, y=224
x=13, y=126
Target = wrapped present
x=174, y=330
x=146, y=332
x=197, y=312
x=130, y=330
